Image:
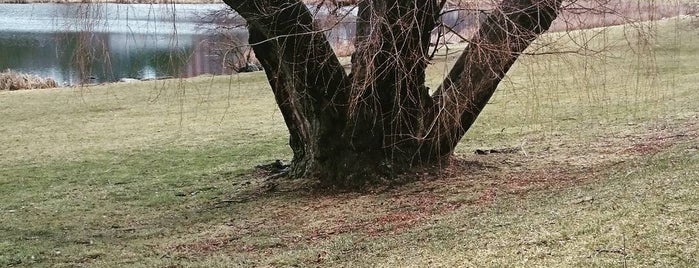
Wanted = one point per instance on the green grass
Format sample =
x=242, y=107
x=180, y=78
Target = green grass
x=159, y=174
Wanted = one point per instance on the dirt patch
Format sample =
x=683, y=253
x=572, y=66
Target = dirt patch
x=204, y=247
x=316, y=217
x=654, y=144
x=391, y=216
x=295, y=215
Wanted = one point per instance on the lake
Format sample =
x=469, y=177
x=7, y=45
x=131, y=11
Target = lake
x=75, y=43
x=80, y=43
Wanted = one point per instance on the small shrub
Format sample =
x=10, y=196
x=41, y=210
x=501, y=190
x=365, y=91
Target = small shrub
x=11, y=80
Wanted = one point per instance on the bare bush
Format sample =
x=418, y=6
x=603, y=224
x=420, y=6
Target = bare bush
x=11, y=80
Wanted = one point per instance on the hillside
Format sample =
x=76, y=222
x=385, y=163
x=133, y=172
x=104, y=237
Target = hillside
x=593, y=161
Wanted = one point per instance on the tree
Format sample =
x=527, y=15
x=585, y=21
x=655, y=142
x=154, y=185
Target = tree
x=380, y=118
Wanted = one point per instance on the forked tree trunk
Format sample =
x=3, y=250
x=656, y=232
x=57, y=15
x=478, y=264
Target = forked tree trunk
x=380, y=119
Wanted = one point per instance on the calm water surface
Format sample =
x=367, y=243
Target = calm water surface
x=78, y=43
x=106, y=42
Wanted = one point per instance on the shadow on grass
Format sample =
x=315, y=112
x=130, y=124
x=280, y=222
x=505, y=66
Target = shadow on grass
x=270, y=218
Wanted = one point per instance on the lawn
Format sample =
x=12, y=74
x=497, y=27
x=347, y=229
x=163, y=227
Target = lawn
x=161, y=173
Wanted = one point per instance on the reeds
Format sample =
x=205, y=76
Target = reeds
x=11, y=80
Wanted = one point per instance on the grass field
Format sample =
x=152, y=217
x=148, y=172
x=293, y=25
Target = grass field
x=161, y=174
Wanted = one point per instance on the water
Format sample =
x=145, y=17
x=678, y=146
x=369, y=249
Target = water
x=75, y=43
x=79, y=43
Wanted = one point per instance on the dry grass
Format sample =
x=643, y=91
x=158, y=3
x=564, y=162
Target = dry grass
x=586, y=14
x=594, y=13
x=160, y=174
x=274, y=217
x=11, y=80
x=112, y=1
x=315, y=2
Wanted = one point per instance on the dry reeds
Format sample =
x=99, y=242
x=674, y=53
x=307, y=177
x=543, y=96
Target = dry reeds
x=11, y=80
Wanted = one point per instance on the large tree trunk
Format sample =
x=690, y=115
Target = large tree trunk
x=380, y=119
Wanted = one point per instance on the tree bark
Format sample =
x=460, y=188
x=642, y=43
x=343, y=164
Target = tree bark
x=473, y=79
x=306, y=77
x=380, y=119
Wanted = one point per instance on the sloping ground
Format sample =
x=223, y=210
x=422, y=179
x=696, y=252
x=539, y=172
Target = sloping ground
x=593, y=160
